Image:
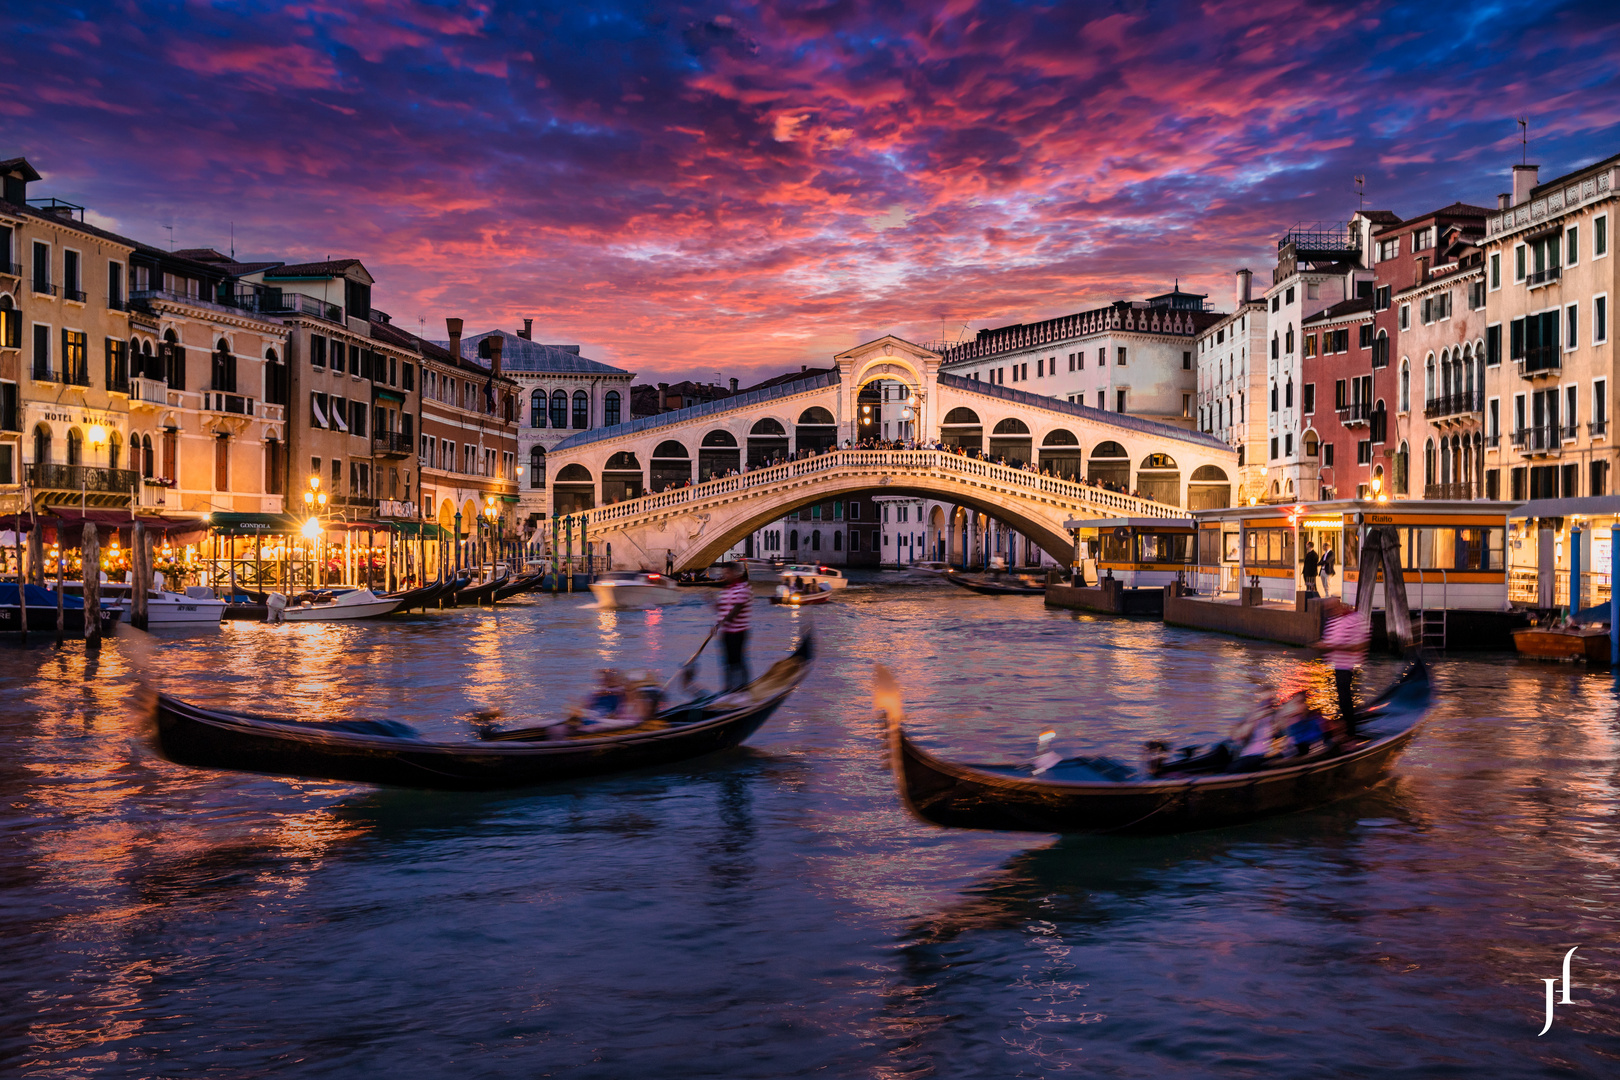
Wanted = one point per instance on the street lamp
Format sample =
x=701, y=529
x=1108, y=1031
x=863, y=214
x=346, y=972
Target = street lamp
x=315, y=506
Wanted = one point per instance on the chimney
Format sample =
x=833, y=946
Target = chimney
x=527, y=333
x=495, y=343
x=454, y=326
x=1245, y=287
x=1422, y=269
x=804, y=367
x=1524, y=178
x=733, y=386
x=1504, y=201
x=663, y=397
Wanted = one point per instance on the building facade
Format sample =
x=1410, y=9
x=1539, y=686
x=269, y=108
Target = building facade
x=1133, y=357
x=1232, y=383
x=1549, y=362
x=468, y=447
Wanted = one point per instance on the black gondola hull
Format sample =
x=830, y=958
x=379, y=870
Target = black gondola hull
x=189, y=735
x=978, y=797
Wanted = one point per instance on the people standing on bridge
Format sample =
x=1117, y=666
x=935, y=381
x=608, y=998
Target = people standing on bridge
x=732, y=606
x=1311, y=563
x=1344, y=643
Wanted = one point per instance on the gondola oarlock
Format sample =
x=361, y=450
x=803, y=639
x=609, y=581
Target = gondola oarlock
x=1085, y=796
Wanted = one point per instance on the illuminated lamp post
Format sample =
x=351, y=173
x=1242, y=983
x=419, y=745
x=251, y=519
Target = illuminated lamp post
x=315, y=506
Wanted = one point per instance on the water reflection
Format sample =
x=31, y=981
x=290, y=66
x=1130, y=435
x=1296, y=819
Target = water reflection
x=773, y=911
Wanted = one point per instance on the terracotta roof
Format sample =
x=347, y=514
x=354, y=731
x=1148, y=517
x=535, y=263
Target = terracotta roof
x=330, y=268
x=1343, y=308
x=792, y=376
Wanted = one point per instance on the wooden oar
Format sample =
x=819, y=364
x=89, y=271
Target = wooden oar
x=693, y=660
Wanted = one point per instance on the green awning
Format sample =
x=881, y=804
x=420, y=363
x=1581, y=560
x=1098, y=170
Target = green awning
x=390, y=395
x=428, y=529
x=234, y=524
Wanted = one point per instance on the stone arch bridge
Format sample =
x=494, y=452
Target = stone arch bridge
x=693, y=482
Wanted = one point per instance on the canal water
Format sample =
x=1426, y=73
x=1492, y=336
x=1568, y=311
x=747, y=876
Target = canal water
x=773, y=911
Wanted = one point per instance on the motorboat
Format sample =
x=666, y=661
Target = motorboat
x=42, y=612
x=1589, y=643
x=197, y=606
x=813, y=574
x=390, y=752
x=1102, y=795
x=817, y=594
x=353, y=604
x=627, y=589
x=994, y=585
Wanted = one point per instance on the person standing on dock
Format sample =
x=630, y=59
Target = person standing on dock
x=1324, y=569
x=733, y=605
x=1312, y=563
x=1344, y=643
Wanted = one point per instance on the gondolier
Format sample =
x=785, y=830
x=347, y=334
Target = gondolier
x=1344, y=643
x=732, y=606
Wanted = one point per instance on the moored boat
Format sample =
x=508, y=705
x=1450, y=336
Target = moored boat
x=42, y=612
x=1589, y=643
x=388, y=752
x=354, y=604
x=629, y=590
x=812, y=574
x=1100, y=795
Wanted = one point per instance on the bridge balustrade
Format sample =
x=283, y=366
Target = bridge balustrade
x=905, y=460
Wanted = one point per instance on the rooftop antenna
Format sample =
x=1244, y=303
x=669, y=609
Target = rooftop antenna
x=233, y=241
x=1524, y=137
x=1361, y=193
x=171, y=235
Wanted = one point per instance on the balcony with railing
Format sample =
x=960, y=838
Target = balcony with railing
x=1542, y=277
x=42, y=288
x=76, y=295
x=10, y=269
x=221, y=402
x=391, y=444
x=1541, y=360
x=43, y=372
x=91, y=479
x=1455, y=405
x=1357, y=412
x=1464, y=490
x=1598, y=429
x=118, y=384
x=1543, y=439
x=146, y=391
x=281, y=302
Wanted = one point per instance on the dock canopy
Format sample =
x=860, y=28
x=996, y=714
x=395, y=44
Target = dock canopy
x=229, y=523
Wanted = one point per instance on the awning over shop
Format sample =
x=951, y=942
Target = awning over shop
x=427, y=529
x=390, y=395
x=234, y=524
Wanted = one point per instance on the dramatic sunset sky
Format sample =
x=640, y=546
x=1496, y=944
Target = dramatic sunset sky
x=683, y=189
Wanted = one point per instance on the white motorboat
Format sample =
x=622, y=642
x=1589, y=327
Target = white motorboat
x=355, y=604
x=194, y=607
x=624, y=589
x=814, y=574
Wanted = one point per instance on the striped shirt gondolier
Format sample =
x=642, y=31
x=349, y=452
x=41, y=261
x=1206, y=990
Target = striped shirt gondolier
x=1346, y=637
x=734, y=603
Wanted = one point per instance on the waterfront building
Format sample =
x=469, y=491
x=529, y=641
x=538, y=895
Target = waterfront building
x=64, y=340
x=1339, y=370
x=1318, y=265
x=468, y=452
x=559, y=392
x=207, y=388
x=1232, y=381
x=1133, y=357
x=904, y=532
x=1550, y=277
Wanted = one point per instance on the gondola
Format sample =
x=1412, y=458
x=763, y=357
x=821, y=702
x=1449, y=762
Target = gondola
x=1100, y=795
x=419, y=597
x=42, y=612
x=477, y=594
x=992, y=587
x=388, y=752
x=517, y=586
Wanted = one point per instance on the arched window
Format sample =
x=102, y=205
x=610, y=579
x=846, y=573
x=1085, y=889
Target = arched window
x=793, y=540
x=1402, y=466
x=1288, y=393
x=223, y=375
x=815, y=540
x=838, y=540
x=1288, y=339
x=1428, y=462
x=147, y=461
x=537, y=460
x=115, y=449
x=1428, y=379
x=75, y=455
x=10, y=324
x=582, y=410
x=174, y=361
x=610, y=408
x=1406, y=385
x=559, y=409
x=42, y=445
x=1274, y=355
x=537, y=409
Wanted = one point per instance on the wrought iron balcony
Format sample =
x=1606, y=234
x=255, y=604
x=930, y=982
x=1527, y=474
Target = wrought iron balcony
x=1469, y=401
x=1544, y=439
x=1542, y=277
x=1541, y=360
x=392, y=444
x=87, y=478
x=1357, y=412
x=280, y=302
x=10, y=269
x=43, y=288
x=1598, y=428
x=118, y=385
x=73, y=294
